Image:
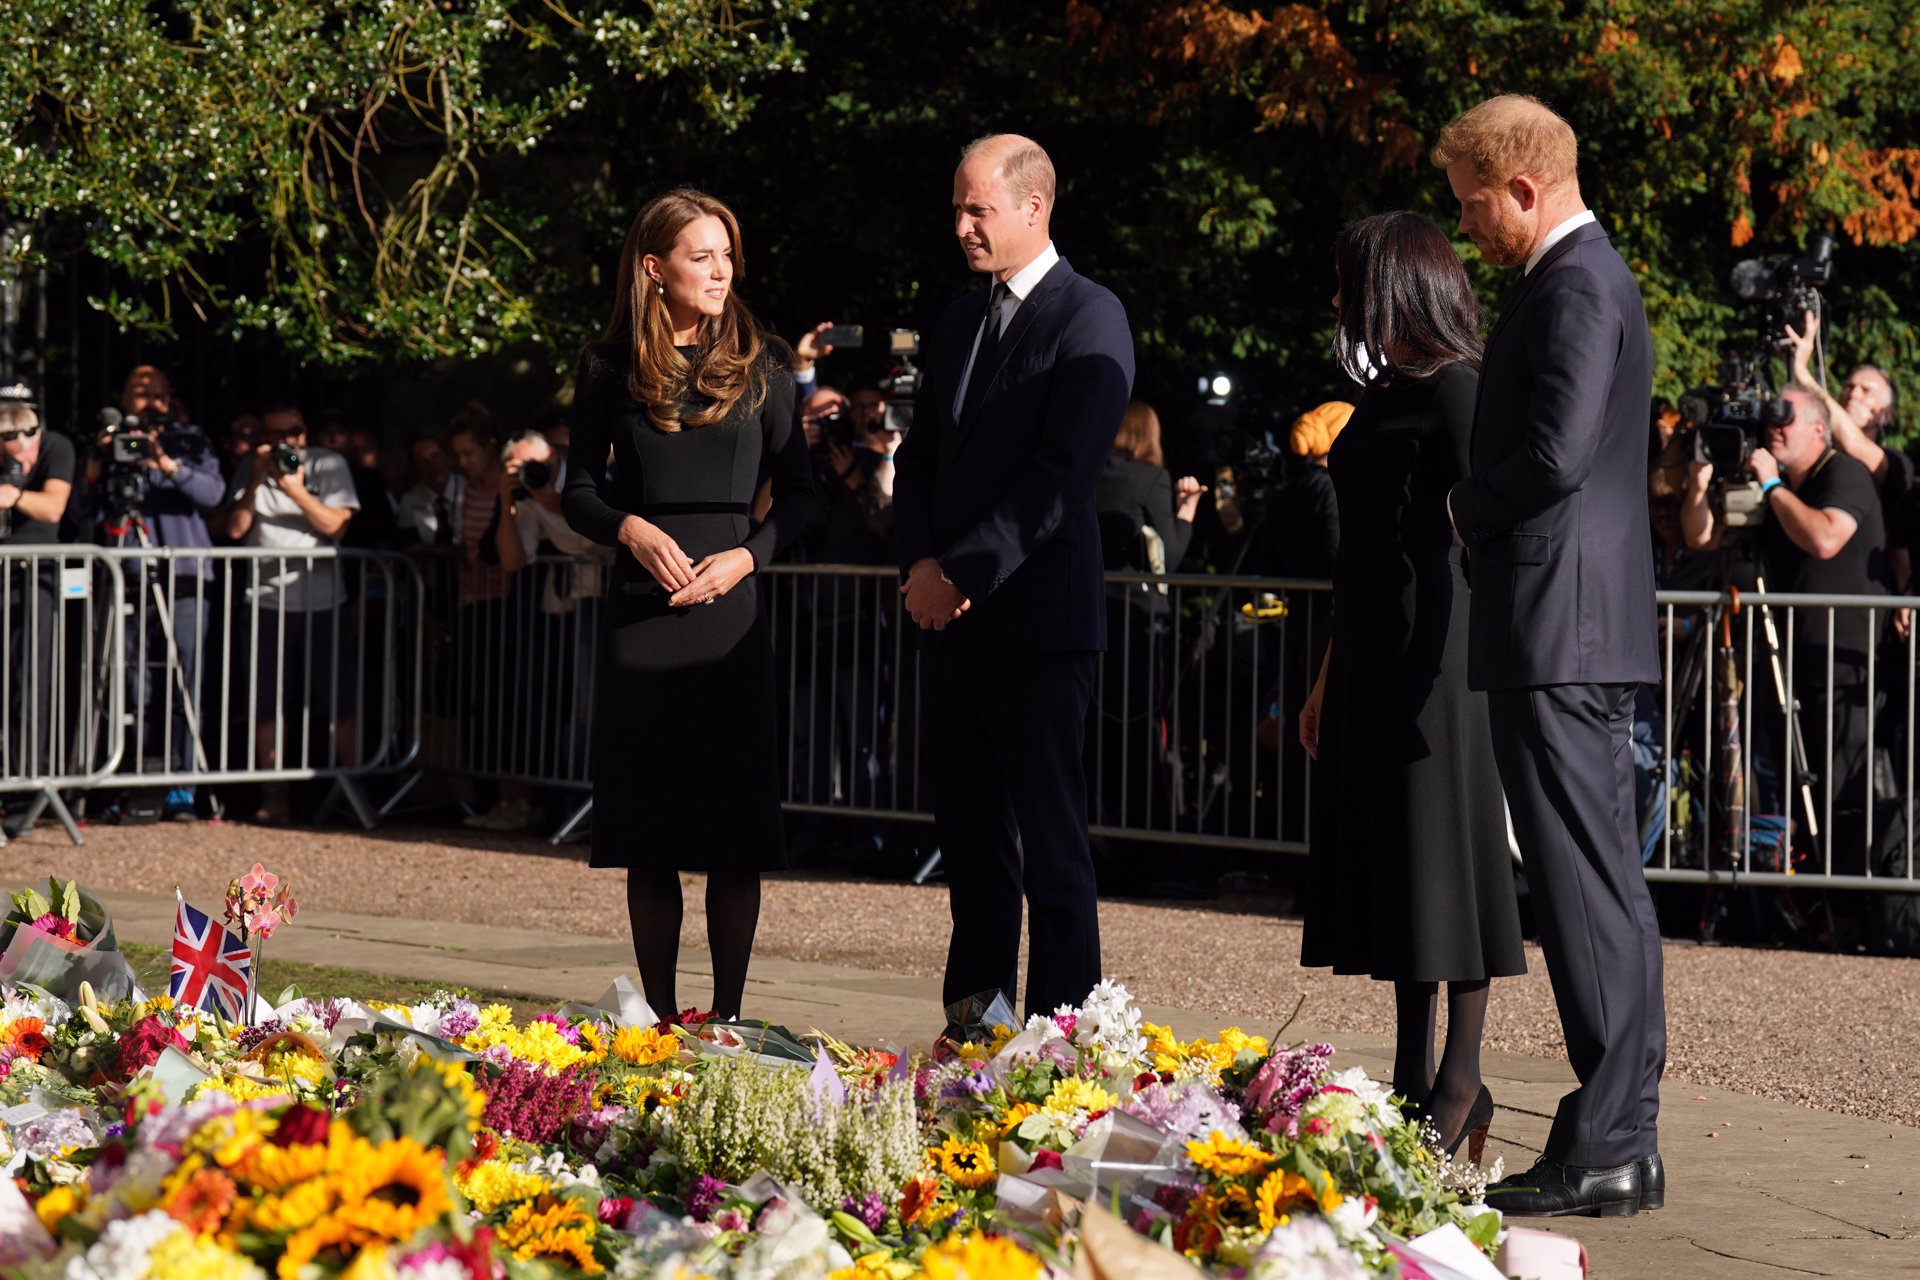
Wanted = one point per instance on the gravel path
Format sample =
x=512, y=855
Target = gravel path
x=1836, y=1032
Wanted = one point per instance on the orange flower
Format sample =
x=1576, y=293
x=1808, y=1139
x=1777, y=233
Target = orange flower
x=918, y=1197
x=26, y=1037
x=202, y=1204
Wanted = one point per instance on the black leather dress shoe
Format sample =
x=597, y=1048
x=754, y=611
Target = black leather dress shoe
x=1653, y=1182
x=1553, y=1190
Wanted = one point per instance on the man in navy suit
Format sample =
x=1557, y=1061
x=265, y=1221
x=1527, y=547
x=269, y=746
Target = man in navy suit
x=1561, y=632
x=993, y=504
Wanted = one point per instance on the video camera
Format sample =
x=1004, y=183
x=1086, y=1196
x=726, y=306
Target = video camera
x=1729, y=417
x=903, y=383
x=130, y=435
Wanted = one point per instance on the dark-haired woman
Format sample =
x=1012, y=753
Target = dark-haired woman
x=680, y=406
x=1409, y=875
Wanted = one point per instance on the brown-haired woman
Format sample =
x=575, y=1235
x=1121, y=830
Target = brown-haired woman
x=1409, y=876
x=1135, y=493
x=680, y=406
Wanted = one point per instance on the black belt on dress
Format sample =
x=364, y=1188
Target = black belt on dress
x=695, y=509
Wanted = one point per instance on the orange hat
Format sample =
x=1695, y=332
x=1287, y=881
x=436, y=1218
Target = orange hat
x=1314, y=430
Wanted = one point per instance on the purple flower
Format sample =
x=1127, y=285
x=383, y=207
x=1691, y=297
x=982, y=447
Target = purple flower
x=730, y=1220
x=1286, y=1082
x=704, y=1198
x=977, y=1083
x=870, y=1209
x=249, y=1038
x=1187, y=1111
x=523, y=1100
x=460, y=1021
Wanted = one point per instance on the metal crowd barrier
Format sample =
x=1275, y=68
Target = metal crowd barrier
x=1781, y=745
x=60, y=700
x=509, y=665
x=1779, y=750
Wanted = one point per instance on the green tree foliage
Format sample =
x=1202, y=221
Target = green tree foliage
x=399, y=178
x=363, y=177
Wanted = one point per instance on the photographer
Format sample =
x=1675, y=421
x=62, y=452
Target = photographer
x=1823, y=536
x=36, y=479
x=1858, y=426
x=295, y=500
x=148, y=481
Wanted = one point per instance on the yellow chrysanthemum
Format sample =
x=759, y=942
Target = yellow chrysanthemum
x=539, y=1044
x=979, y=1257
x=1239, y=1041
x=968, y=1165
x=240, y=1089
x=59, y=1203
x=552, y=1228
x=227, y=1139
x=1225, y=1157
x=490, y=1185
x=296, y=1208
x=180, y=1256
x=398, y=1189
x=1201, y=1060
x=330, y=1242
x=645, y=1046
x=594, y=1041
x=494, y=1018
x=1160, y=1039
x=1074, y=1099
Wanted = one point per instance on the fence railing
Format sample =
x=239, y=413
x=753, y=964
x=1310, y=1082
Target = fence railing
x=1779, y=750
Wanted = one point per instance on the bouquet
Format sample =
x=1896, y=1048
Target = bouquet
x=60, y=939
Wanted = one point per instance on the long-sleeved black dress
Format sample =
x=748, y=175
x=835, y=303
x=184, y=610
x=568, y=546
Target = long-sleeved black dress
x=1409, y=873
x=686, y=771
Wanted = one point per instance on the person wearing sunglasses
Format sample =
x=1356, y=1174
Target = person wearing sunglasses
x=36, y=479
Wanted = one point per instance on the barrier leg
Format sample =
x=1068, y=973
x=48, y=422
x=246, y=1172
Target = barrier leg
x=927, y=868
x=567, y=827
x=356, y=800
x=44, y=799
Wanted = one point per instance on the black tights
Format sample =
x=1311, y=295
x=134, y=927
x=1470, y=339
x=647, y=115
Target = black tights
x=654, y=911
x=1448, y=1091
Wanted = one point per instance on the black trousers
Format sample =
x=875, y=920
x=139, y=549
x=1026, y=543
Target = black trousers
x=1567, y=768
x=1005, y=733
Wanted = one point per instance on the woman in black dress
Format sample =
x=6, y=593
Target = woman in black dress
x=680, y=408
x=1409, y=873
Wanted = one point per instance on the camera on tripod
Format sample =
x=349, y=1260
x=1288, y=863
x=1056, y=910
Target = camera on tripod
x=130, y=435
x=903, y=383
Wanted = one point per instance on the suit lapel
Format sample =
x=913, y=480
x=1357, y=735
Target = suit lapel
x=1017, y=328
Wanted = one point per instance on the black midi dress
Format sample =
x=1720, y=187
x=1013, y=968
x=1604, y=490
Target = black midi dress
x=1409, y=875
x=686, y=755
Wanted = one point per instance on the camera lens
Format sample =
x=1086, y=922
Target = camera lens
x=286, y=458
x=536, y=474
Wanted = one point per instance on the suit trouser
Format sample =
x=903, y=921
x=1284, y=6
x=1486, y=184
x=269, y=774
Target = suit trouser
x=1566, y=764
x=1005, y=733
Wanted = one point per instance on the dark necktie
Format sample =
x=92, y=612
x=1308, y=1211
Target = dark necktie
x=442, y=520
x=991, y=327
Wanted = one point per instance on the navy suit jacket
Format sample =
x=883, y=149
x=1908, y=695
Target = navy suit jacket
x=1555, y=512
x=1003, y=498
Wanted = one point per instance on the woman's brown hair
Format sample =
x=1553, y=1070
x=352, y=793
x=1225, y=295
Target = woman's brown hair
x=730, y=365
x=1139, y=436
x=1407, y=309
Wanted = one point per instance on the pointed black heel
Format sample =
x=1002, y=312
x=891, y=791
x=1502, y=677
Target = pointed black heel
x=1474, y=1132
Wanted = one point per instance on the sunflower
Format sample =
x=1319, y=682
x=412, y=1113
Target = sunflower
x=550, y=1228
x=1015, y=1116
x=594, y=1040
x=917, y=1198
x=976, y=1256
x=395, y=1192
x=645, y=1046
x=330, y=1242
x=294, y=1208
x=1279, y=1195
x=272, y=1168
x=1225, y=1157
x=968, y=1165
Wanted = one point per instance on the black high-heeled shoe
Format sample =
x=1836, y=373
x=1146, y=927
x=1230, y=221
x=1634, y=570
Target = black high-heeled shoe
x=1474, y=1132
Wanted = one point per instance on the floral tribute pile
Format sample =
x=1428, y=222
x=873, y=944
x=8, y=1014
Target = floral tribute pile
x=447, y=1141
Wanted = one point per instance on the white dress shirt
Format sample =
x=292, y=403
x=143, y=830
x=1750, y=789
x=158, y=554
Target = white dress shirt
x=1558, y=234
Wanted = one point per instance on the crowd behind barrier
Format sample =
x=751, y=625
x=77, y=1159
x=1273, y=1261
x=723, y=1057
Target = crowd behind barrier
x=1191, y=740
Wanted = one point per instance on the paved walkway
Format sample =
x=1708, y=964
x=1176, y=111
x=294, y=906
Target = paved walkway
x=1755, y=1188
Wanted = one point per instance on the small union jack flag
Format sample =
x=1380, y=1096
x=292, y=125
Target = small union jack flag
x=210, y=965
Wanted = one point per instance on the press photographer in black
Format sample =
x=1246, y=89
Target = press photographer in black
x=1823, y=534
x=149, y=480
x=36, y=479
